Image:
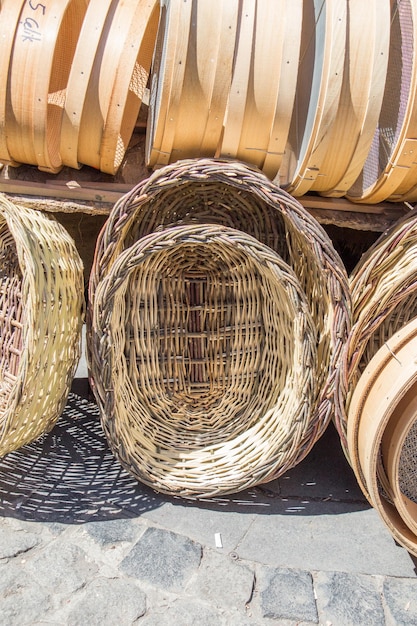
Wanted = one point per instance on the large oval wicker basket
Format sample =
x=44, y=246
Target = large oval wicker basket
x=204, y=337
x=41, y=313
x=201, y=192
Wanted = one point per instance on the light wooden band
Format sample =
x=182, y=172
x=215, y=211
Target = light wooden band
x=399, y=174
x=323, y=100
x=366, y=60
x=239, y=89
x=42, y=54
x=80, y=75
x=384, y=384
x=392, y=444
x=138, y=36
x=9, y=17
x=287, y=73
x=207, y=80
x=167, y=70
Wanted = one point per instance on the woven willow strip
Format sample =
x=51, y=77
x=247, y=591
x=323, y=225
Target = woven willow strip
x=41, y=310
x=384, y=298
x=204, y=361
x=240, y=197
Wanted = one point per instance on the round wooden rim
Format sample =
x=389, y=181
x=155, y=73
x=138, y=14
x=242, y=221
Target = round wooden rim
x=30, y=123
x=79, y=78
x=130, y=79
x=330, y=33
x=392, y=444
x=167, y=66
x=10, y=13
x=239, y=88
x=361, y=96
x=207, y=80
x=398, y=175
x=390, y=375
x=292, y=19
x=263, y=87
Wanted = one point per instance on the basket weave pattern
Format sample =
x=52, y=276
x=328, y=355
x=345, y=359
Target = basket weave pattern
x=208, y=193
x=41, y=311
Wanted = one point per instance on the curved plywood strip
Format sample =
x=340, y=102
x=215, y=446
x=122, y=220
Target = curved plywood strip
x=390, y=168
x=366, y=61
x=81, y=72
x=318, y=93
x=43, y=51
x=137, y=28
x=9, y=18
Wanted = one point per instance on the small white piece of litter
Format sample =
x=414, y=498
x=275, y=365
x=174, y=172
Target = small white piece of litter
x=218, y=540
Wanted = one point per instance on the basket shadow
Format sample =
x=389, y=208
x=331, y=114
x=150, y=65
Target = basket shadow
x=70, y=476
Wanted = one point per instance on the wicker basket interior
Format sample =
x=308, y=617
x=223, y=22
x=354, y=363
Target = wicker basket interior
x=41, y=312
x=205, y=338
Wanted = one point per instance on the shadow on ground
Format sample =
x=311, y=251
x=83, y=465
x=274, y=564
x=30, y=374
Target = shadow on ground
x=69, y=475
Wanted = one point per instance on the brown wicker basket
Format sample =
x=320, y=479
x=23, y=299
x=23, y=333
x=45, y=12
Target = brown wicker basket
x=198, y=192
x=384, y=295
x=205, y=361
x=41, y=313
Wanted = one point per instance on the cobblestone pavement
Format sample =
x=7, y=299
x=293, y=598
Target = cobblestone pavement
x=81, y=542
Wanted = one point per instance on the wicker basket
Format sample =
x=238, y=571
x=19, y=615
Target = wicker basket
x=41, y=311
x=198, y=192
x=204, y=337
x=384, y=294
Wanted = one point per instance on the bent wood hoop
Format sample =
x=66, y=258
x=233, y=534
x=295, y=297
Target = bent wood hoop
x=80, y=75
x=9, y=19
x=191, y=76
x=318, y=93
x=366, y=61
x=390, y=169
x=44, y=47
x=263, y=87
x=137, y=30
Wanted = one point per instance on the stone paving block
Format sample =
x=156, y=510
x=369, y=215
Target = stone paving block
x=357, y=542
x=22, y=600
x=107, y=602
x=112, y=531
x=185, y=613
x=346, y=599
x=61, y=567
x=223, y=582
x=400, y=595
x=163, y=558
x=287, y=594
x=14, y=542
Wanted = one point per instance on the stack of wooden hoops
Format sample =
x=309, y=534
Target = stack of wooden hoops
x=378, y=424
x=76, y=74
x=319, y=94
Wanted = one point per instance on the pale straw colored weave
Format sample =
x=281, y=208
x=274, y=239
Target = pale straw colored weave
x=231, y=194
x=205, y=361
x=384, y=295
x=41, y=313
